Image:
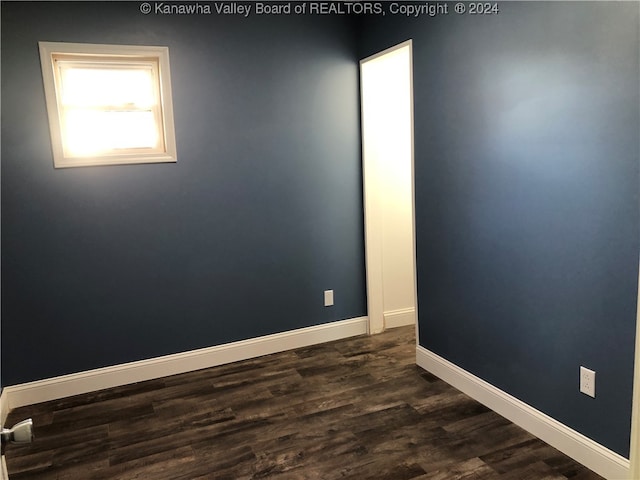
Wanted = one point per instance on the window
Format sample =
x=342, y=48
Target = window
x=108, y=104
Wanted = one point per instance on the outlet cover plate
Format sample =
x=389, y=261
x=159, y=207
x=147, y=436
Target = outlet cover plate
x=328, y=298
x=588, y=382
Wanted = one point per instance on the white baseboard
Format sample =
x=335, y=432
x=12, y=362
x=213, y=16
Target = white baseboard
x=4, y=413
x=4, y=474
x=400, y=317
x=579, y=447
x=4, y=408
x=108, y=377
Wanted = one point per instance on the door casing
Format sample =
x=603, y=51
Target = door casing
x=374, y=195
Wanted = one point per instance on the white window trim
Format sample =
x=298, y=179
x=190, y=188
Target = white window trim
x=48, y=52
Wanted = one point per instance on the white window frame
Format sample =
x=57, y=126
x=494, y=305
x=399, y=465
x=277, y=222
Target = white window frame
x=53, y=54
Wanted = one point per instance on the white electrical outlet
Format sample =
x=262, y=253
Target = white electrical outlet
x=328, y=298
x=588, y=382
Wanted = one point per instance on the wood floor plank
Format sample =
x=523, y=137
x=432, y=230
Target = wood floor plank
x=351, y=409
x=533, y=471
x=472, y=469
x=166, y=465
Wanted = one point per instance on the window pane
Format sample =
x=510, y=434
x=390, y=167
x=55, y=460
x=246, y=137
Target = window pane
x=114, y=87
x=92, y=132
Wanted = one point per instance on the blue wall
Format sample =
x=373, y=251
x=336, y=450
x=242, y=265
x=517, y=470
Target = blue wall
x=239, y=238
x=526, y=168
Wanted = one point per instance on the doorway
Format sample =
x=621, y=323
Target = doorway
x=386, y=81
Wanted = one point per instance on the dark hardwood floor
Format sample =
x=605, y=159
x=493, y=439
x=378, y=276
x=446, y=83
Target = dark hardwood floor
x=358, y=408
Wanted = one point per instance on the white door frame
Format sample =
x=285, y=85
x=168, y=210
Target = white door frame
x=372, y=208
x=634, y=454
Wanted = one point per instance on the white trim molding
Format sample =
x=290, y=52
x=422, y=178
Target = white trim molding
x=579, y=447
x=373, y=175
x=4, y=474
x=4, y=413
x=400, y=317
x=635, y=413
x=108, y=377
x=4, y=408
